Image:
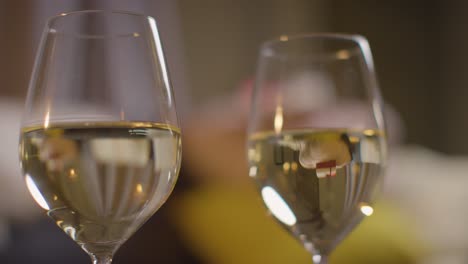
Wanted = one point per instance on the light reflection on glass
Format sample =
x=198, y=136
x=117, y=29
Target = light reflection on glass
x=159, y=51
x=278, y=123
x=278, y=206
x=253, y=171
x=316, y=258
x=367, y=210
x=35, y=193
x=70, y=231
x=46, y=119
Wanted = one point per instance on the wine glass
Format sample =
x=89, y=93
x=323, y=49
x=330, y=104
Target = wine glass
x=100, y=143
x=316, y=143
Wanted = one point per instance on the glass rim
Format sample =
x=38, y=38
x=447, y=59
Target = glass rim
x=63, y=15
x=356, y=44
x=90, y=11
x=282, y=39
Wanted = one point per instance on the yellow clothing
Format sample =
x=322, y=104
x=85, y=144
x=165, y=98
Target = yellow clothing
x=229, y=225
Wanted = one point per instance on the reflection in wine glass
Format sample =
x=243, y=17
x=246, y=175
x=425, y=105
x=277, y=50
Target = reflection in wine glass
x=316, y=136
x=100, y=143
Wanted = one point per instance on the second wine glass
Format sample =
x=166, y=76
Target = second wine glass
x=100, y=142
x=316, y=144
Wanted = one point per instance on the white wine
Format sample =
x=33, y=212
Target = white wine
x=318, y=183
x=101, y=181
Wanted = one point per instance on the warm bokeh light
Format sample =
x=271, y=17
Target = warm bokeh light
x=278, y=123
x=72, y=174
x=139, y=188
x=343, y=54
x=294, y=166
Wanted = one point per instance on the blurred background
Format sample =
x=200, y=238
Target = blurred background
x=212, y=45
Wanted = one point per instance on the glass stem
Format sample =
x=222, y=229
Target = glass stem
x=102, y=259
x=320, y=259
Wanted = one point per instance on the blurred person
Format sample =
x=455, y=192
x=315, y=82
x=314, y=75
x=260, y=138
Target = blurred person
x=228, y=223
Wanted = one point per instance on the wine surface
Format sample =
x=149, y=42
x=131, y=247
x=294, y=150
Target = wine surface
x=101, y=181
x=318, y=183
